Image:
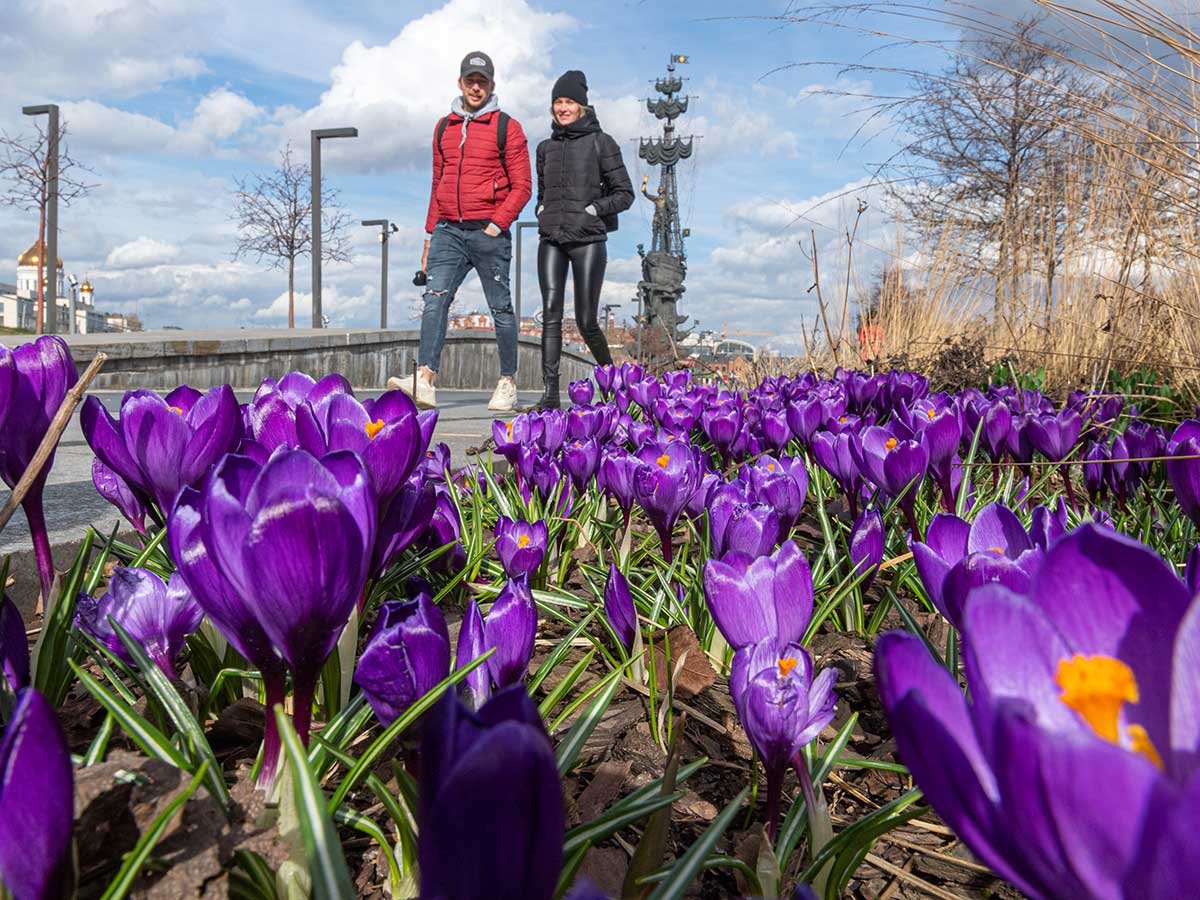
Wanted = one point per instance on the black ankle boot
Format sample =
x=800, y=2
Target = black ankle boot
x=550, y=398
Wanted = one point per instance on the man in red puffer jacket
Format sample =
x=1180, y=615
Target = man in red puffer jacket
x=481, y=182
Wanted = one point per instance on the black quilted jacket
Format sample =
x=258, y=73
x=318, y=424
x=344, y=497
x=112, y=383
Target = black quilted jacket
x=577, y=166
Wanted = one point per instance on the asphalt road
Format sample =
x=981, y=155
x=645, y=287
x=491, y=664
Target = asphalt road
x=72, y=502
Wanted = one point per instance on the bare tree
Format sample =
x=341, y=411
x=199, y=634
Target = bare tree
x=273, y=217
x=988, y=136
x=25, y=165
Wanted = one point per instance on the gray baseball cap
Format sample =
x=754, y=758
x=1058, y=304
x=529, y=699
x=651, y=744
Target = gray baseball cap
x=477, y=61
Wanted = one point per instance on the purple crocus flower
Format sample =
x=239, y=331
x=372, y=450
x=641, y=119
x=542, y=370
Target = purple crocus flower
x=520, y=545
x=956, y=557
x=1096, y=470
x=161, y=444
x=590, y=422
x=117, y=491
x=832, y=452
x=1072, y=769
x=751, y=528
x=491, y=810
x=14, y=645
x=804, y=415
x=384, y=432
x=278, y=557
x=158, y=615
x=37, y=802
x=1048, y=525
x=553, y=429
x=510, y=628
x=1191, y=572
x=752, y=599
x=866, y=545
x=472, y=644
x=1184, y=472
x=997, y=421
x=615, y=476
x=43, y=373
x=402, y=520
x=893, y=465
x=722, y=421
x=8, y=380
x=1054, y=436
x=698, y=502
x=445, y=527
x=405, y=657
x=781, y=706
x=606, y=378
x=581, y=459
x=520, y=431
x=580, y=392
x=618, y=606
x=664, y=484
x=773, y=484
x=644, y=392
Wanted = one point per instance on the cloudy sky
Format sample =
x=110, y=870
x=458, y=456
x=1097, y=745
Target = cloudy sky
x=167, y=105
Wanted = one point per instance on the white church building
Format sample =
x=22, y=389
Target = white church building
x=18, y=303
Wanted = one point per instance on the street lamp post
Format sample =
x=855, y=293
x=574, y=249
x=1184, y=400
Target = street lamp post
x=385, y=233
x=315, y=138
x=50, y=254
x=73, y=302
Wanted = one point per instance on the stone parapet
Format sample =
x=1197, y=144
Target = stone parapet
x=161, y=360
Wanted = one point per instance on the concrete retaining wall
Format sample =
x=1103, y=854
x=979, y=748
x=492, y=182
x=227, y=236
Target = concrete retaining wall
x=161, y=360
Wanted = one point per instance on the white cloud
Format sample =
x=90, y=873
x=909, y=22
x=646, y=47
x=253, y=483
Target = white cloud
x=143, y=251
x=395, y=92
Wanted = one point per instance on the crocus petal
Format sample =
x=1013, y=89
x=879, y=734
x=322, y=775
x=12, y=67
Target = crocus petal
x=506, y=787
x=217, y=421
x=1093, y=798
x=157, y=437
x=510, y=627
x=1134, y=601
x=14, y=645
x=117, y=491
x=37, y=799
x=472, y=644
x=997, y=526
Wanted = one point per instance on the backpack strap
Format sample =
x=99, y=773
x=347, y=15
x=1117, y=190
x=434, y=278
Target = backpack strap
x=502, y=138
x=437, y=143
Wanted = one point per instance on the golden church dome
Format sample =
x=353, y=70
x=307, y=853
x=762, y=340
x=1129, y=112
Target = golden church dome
x=86, y=287
x=30, y=257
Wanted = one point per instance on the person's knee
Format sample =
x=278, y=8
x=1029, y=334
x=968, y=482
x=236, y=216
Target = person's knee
x=436, y=300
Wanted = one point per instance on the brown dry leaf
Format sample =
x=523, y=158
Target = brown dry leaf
x=604, y=787
x=695, y=676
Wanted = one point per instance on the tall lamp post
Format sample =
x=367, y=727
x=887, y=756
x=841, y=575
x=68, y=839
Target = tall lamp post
x=386, y=230
x=316, y=136
x=49, y=258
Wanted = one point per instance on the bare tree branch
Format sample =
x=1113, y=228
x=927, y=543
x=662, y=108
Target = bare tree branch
x=273, y=214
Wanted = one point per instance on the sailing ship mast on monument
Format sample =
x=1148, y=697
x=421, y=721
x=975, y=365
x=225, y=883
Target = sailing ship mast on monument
x=665, y=265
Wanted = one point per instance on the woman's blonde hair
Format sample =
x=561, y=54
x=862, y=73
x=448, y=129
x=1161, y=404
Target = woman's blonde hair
x=583, y=107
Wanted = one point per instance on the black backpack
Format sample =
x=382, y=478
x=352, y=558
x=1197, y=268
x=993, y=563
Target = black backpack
x=501, y=136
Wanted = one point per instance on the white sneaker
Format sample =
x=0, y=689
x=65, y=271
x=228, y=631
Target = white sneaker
x=425, y=395
x=504, y=398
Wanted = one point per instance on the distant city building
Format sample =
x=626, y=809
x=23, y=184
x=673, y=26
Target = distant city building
x=711, y=346
x=18, y=302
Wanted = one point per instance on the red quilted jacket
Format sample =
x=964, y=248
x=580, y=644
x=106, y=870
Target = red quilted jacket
x=469, y=184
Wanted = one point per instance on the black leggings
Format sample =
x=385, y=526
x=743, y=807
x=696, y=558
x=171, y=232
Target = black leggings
x=587, y=262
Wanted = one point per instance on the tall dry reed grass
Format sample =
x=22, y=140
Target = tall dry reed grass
x=1102, y=256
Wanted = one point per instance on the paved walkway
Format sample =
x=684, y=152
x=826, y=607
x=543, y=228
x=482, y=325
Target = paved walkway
x=72, y=502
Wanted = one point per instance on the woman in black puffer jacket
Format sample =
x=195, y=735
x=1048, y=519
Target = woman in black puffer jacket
x=581, y=186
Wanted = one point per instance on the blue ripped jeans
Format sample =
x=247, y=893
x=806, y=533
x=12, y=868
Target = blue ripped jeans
x=453, y=252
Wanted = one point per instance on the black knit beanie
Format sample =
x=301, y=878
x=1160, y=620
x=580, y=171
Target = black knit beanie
x=571, y=84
